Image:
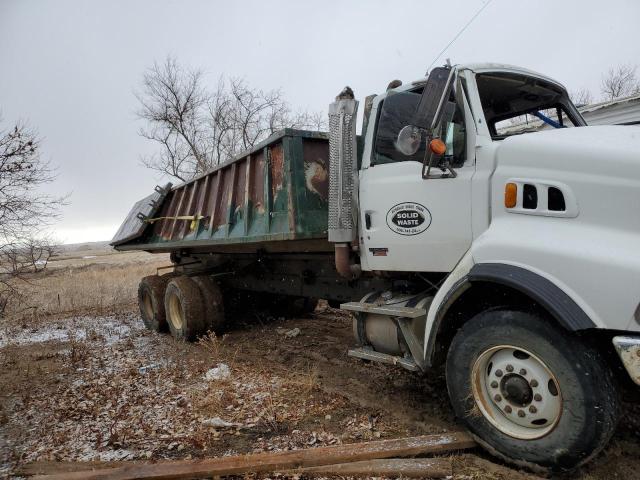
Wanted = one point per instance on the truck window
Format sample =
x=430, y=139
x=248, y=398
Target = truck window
x=396, y=112
x=514, y=104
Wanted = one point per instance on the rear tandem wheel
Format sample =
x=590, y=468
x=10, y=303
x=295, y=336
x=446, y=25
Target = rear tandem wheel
x=214, y=319
x=151, y=302
x=185, y=307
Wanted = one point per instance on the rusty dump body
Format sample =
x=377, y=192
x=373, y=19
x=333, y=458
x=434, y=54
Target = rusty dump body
x=276, y=191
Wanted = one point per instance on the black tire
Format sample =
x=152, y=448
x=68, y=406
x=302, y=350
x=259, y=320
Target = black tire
x=589, y=405
x=185, y=311
x=151, y=302
x=213, y=303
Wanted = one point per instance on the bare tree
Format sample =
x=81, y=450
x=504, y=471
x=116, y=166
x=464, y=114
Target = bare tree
x=29, y=255
x=620, y=82
x=38, y=251
x=173, y=102
x=24, y=210
x=199, y=128
x=23, y=207
x=581, y=97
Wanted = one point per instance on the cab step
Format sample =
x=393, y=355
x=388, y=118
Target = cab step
x=373, y=356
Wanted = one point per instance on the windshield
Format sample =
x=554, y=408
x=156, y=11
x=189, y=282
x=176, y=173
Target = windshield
x=514, y=104
x=397, y=111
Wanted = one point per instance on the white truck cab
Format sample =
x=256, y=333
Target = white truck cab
x=486, y=180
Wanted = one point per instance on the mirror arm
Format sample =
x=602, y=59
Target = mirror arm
x=448, y=171
x=444, y=165
x=431, y=159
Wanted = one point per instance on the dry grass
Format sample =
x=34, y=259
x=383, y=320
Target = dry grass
x=217, y=348
x=307, y=380
x=75, y=289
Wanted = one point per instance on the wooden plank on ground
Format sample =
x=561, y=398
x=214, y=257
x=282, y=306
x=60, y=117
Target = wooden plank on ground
x=49, y=467
x=389, y=467
x=278, y=461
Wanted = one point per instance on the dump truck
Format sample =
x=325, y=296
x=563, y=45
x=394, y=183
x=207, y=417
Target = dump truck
x=507, y=255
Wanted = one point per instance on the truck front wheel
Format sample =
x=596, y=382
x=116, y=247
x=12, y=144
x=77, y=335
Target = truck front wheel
x=530, y=392
x=185, y=309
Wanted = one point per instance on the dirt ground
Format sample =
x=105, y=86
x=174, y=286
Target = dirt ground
x=102, y=388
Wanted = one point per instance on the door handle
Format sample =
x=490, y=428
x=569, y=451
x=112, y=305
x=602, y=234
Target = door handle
x=367, y=221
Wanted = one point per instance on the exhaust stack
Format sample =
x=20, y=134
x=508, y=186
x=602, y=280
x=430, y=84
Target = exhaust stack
x=342, y=180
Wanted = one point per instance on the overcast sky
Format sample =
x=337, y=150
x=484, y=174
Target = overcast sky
x=70, y=67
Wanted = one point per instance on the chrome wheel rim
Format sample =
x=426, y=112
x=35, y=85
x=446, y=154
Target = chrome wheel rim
x=516, y=392
x=175, y=312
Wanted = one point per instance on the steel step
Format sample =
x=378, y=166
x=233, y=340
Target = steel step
x=372, y=355
x=390, y=310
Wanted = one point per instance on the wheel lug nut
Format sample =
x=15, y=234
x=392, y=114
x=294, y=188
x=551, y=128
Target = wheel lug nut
x=499, y=373
x=494, y=384
x=533, y=383
x=533, y=409
x=498, y=398
x=521, y=413
x=537, y=397
x=507, y=409
x=509, y=368
x=523, y=372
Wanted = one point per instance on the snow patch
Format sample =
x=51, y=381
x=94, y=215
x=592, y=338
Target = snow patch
x=221, y=372
x=109, y=330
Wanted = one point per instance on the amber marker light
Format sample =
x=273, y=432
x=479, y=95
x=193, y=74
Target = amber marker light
x=510, y=195
x=437, y=146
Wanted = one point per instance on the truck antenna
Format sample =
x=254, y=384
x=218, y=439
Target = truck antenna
x=458, y=34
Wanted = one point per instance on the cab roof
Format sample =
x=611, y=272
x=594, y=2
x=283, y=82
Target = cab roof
x=489, y=67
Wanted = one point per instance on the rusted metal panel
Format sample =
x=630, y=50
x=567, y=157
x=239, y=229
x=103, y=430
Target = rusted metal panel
x=165, y=224
x=230, y=194
x=276, y=191
x=190, y=207
x=277, y=170
x=316, y=168
x=163, y=212
x=239, y=193
x=202, y=197
x=256, y=183
x=178, y=212
x=246, y=217
x=214, y=201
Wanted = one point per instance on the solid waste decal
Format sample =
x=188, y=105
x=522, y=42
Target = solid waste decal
x=408, y=218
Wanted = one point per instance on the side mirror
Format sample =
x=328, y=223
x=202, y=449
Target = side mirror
x=433, y=107
x=434, y=96
x=409, y=140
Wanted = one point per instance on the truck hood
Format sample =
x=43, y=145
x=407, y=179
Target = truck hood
x=597, y=166
x=603, y=143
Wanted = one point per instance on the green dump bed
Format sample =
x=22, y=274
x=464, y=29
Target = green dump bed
x=276, y=191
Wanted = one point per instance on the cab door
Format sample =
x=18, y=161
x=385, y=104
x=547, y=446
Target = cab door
x=409, y=223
